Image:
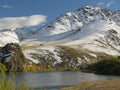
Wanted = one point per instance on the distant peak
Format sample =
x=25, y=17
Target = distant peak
x=87, y=8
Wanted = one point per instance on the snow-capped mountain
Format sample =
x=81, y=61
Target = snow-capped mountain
x=93, y=28
x=75, y=20
x=14, y=35
x=8, y=36
x=70, y=23
x=87, y=31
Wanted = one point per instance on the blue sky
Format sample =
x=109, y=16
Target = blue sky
x=48, y=8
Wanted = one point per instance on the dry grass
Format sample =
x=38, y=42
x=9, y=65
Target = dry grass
x=96, y=85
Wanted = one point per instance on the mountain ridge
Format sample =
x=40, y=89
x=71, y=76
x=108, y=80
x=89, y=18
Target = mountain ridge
x=88, y=30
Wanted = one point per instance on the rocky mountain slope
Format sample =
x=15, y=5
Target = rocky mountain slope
x=12, y=56
x=73, y=39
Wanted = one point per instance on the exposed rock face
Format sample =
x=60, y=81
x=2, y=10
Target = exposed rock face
x=11, y=55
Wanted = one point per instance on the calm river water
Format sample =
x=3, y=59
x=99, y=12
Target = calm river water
x=56, y=80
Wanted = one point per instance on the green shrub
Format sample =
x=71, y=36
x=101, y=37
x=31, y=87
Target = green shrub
x=2, y=68
x=107, y=66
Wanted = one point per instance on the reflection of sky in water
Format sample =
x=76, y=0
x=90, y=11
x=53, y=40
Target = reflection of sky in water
x=58, y=79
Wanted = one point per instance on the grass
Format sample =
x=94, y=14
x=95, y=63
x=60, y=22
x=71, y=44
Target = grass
x=96, y=85
x=9, y=84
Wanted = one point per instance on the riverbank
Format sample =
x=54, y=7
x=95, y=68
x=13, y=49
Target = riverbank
x=96, y=85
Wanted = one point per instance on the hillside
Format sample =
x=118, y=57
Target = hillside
x=88, y=30
x=72, y=40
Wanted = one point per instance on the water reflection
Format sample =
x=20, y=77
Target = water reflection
x=56, y=80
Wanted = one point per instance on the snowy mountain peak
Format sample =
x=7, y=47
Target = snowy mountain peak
x=75, y=20
x=87, y=26
x=91, y=29
x=68, y=23
x=92, y=9
x=14, y=35
x=87, y=8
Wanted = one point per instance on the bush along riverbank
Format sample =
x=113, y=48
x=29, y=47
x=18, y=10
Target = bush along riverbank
x=110, y=65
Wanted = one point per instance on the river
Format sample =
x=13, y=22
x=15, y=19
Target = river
x=57, y=80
